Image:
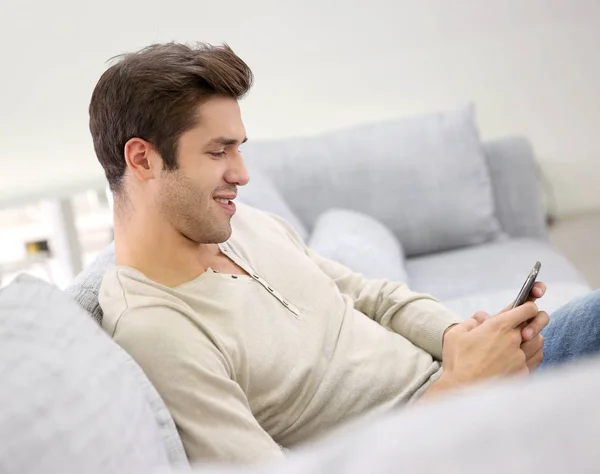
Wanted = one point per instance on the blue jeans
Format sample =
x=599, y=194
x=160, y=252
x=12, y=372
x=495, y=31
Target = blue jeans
x=573, y=331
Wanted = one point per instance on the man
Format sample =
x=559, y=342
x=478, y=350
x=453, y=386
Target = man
x=252, y=339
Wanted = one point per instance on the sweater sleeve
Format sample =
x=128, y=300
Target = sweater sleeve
x=210, y=409
x=418, y=317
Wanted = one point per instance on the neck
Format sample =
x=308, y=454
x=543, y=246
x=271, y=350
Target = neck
x=144, y=242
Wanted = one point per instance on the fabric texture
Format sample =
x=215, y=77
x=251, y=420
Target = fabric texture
x=573, y=331
x=516, y=182
x=262, y=194
x=361, y=243
x=85, y=287
x=493, y=267
x=426, y=178
x=279, y=355
x=70, y=398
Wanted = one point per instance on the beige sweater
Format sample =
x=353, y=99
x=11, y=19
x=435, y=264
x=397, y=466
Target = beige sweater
x=280, y=356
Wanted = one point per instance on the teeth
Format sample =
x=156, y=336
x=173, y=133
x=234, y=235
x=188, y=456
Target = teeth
x=222, y=201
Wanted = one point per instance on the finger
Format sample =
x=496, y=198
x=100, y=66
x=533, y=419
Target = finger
x=536, y=359
x=466, y=326
x=481, y=317
x=538, y=290
x=530, y=348
x=535, y=326
x=511, y=319
x=523, y=373
x=521, y=363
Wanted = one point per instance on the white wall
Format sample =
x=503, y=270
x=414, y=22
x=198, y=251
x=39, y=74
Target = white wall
x=531, y=66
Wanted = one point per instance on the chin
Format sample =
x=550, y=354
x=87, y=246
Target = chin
x=216, y=235
x=222, y=235
x=226, y=235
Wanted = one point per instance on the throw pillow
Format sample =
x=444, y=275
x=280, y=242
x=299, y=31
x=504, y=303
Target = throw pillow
x=361, y=243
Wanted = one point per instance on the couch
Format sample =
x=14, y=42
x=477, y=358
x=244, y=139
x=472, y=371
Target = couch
x=419, y=199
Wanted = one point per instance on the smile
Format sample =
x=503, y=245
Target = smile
x=226, y=204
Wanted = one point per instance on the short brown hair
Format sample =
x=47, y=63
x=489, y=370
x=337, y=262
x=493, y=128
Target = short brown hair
x=153, y=94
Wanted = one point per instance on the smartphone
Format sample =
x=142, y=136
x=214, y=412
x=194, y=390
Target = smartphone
x=527, y=286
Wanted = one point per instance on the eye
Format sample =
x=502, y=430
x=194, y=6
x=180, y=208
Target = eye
x=218, y=154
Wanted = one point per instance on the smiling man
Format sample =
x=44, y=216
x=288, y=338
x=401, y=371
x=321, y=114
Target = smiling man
x=251, y=338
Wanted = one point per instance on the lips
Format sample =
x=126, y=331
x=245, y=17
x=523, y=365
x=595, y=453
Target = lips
x=228, y=195
x=226, y=202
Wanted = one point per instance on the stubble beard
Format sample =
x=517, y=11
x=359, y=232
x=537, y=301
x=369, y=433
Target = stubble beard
x=192, y=211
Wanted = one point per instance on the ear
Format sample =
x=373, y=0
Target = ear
x=142, y=160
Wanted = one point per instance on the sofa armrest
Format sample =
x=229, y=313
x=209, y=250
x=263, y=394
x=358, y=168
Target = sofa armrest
x=517, y=187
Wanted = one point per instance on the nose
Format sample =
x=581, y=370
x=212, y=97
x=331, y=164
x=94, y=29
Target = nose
x=237, y=173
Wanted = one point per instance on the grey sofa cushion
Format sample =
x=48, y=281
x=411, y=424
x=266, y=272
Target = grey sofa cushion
x=359, y=242
x=426, y=178
x=517, y=187
x=262, y=194
x=498, y=267
x=85, y=287
x=71, y=400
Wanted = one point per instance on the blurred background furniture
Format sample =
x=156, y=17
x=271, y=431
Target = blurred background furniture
x=55, y=222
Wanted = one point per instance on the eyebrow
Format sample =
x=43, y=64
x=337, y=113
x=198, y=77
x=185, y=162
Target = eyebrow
x=224, y=141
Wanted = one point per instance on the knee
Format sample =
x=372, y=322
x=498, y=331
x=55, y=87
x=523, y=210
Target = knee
x=591, y=300
x=587, y=306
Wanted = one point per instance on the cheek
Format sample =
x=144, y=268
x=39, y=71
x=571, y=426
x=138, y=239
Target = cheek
x=206, y=179
x=193, y=193
x=181, y=194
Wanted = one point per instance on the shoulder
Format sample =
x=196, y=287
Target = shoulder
x=152, y=324
x=126, y=293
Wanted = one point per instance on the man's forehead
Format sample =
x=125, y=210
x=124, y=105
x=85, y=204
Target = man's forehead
x=219, y=120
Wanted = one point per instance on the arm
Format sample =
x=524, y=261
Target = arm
x=192, y=376
x=418, y=317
